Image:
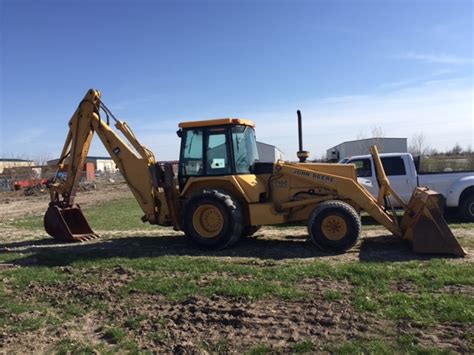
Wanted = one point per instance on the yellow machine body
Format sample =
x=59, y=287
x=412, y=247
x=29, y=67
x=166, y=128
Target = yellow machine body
x=215, y=209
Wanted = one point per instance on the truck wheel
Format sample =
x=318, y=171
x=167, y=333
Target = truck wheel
x=213, y=220
x=250, y=230
x=334, y=226
x=466, y=208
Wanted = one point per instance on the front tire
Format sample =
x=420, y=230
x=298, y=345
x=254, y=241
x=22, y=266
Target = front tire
x=334, y=226
x=466, y=208
x=213, y=220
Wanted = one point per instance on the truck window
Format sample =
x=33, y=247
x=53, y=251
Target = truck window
x=393, y=166
x=363, y=167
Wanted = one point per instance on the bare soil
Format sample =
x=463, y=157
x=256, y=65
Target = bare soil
x=15, y=204
x=214, y=324
x=200, y=323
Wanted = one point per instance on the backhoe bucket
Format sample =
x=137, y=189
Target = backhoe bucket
x=67, y=224
x=423, y=224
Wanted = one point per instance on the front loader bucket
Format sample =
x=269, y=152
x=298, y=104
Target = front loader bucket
x=67, y=224
x=423, y=224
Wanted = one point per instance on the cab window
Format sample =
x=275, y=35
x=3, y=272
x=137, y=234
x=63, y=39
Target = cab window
x=363, y=167
x=192, y=163
x=244, y=146
x=217, y=156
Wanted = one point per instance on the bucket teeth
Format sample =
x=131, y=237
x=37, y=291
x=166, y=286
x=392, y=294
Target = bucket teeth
x=85, y=238
x=68, y=224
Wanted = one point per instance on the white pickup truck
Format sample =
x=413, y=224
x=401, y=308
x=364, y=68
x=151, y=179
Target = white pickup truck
x=456, y=187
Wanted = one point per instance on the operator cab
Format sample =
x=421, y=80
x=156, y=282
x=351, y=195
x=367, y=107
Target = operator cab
x=216, y=148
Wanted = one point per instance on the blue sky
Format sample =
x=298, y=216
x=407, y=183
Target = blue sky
x=404, y=66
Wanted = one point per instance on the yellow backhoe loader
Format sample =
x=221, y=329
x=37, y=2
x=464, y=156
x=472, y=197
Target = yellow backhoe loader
x=222, y=192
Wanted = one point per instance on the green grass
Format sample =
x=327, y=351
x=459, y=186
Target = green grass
x=113, y=215
x=20, y=316
x=179, y=288
x=332, y=295
x=181, y=277
x=362, y=347
x=302, y=347
x=372, y=288
x=125, y=214
x=134, y=322
x=23, y=277
x=115, y=335
x=69, y=346
x=404, y=345
x=219, y=347
x=426, y=308
x=260, y=349
x=6, y=258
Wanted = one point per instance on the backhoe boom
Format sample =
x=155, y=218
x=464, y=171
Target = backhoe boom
x=135, y=167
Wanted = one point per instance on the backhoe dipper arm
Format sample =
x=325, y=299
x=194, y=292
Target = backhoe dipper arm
x=135, y=168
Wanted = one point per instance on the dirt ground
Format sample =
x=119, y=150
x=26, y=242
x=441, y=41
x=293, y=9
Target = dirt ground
x=15, y=204
x=201, y=324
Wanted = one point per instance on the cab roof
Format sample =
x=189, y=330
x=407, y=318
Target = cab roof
x=217, y=122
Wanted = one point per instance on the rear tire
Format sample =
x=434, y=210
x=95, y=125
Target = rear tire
x=334, y=226
x=466, y=208
x=213, y=220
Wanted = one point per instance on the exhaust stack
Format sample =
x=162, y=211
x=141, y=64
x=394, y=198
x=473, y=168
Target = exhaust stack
x=301, y=154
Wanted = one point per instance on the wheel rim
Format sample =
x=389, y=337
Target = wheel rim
x=208, y=221
x=471, y=208
x=334, y=227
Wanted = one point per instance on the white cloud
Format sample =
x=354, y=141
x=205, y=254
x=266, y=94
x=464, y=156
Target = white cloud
x=442, y=110
x=438, y=58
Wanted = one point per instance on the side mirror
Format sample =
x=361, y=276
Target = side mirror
x=179, y=133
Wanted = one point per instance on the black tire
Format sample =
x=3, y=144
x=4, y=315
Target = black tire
x=334, y=226
x=230, y=217
x=248, y=231
x=466, y=208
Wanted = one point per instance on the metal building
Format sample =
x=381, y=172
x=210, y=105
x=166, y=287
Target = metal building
x=268, y=153
x=101, y=164
x=14, y=163
x=361, y=146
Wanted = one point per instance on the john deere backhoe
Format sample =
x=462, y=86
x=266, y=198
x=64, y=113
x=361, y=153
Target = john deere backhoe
x=223, y=192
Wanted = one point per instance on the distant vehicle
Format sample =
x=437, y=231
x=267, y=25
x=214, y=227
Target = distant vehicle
x=29, y=183
x=456, y=187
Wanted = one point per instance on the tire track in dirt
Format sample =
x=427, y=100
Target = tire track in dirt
x=199, y=322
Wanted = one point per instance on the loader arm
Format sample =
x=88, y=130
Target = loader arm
x=135, y=167
x=346, y=189
x=422, y=222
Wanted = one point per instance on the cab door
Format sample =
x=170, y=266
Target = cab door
x=399, y=179
x=395, y=169
x=365, y=174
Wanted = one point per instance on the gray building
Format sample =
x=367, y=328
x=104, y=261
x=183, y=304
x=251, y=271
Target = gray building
x=14, y=163
x=268, y=153
x=362, y=146
x=101, y=164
